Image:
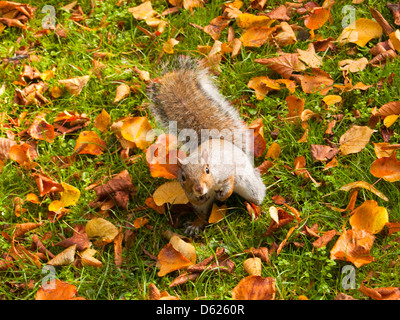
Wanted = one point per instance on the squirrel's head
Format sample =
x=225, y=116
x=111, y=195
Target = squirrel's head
x=195, y=174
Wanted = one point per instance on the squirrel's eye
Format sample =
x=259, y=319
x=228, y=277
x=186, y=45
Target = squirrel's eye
x=183, y=177
x=207, y=170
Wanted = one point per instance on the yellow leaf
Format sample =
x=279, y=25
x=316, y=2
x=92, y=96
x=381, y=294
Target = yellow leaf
x=247, y=20
x=389, y=120
x=395, y=39
x=369, y=217
x=364, y=185
x=332, y=99
x=138, y=130
x=143, y=11
x=217, y=213
x=169, y=45
x=75, y=85
x=185, y=248
x=170, y=192
x=102, y=229
x=102, y=121
x=360, y=32
x=355, y=139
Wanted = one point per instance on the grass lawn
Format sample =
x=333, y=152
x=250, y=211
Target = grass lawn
x=300, y=269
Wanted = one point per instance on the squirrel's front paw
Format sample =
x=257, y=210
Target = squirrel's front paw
x=193, y=228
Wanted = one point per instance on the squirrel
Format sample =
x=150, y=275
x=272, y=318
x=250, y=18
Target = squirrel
x=221, y=161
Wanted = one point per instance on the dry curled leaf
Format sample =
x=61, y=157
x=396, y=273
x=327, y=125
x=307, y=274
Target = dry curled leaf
x=64, y=258
x=75, y=85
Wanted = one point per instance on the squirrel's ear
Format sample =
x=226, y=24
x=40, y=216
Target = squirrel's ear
x=204, y=155
x=179, y=161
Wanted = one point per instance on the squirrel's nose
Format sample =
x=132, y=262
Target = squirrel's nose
x=198, y=188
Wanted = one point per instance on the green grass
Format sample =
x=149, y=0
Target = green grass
x=298, y=270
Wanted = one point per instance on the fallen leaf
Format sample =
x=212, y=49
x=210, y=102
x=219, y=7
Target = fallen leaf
x=252, y=266
x=387, y=168
x=79, y=238
x=388, y=293
x=284, y=65
x=93, y=144
x=318, y=81
x=64, y=258
x=255, y=37
x=46, y=185
x=138, y=130
x=354, y=246
x=69, y=196
x=248, y=20
x=255, y=288
x=323, y=240
x=102, y=121
x=59, y=291
x=322, y=152
x=390, y=108
x=143, y=11
x=369, y=217
x=216, y=26
x=309, y=57
x=88, y=259
x=185, y=248
x=169, y=45
x=360, y=32
x=217, y=213
x=101, y=229
x=364, y=185
x=75, y=85
x=170, y=192
x=355, y=139
x=317, y=18
x=170, y=260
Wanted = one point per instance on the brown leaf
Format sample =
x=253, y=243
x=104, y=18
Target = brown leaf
x=216, y=26
x=280, y=13
x=79, y=238
x=21, y=229
x=395, y=8
x=46, y=185
x=322, y=152
x=5, y=146
x=75, y=85
x=255, y=288
x=388, y=109
x=284, y=65
x=388, y=293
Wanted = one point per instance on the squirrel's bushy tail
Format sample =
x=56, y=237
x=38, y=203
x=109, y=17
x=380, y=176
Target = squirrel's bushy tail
x=187, y=95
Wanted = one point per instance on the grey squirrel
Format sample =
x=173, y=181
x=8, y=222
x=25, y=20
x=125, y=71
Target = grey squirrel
x=220, y=145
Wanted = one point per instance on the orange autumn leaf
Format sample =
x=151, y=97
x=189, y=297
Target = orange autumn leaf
x=58, y=290
x=317, y=18
x=143, y=11
x=102, y=121
x=296, y=108
x=273, y=151
x=318, y=81
x=387, y=168
x=137, y=130
x=259, y=141
x=140, y=222
x=216, y=26
x=256, y=36
x=170, y=192
x=388, y=293
x=162, y=157
x=22, y=228
x=263, y=85
x=255, y=288
x=369, y=217
x=41, y=129
x=388, y=109
x=89, y=142
x=354, y=246
x=21, y=154
x=170, y=260
x=151, y=204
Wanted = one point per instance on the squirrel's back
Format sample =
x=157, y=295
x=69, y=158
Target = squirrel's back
x=188, y=96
